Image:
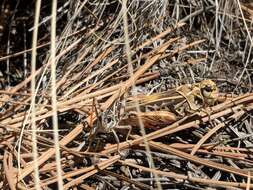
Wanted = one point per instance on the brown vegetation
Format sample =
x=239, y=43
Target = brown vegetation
x=148, y=95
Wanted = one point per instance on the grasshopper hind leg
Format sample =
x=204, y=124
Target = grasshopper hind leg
x=117, y=140
x=117, y=137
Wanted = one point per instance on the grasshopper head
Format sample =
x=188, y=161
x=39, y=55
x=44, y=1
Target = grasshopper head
x=209, y=91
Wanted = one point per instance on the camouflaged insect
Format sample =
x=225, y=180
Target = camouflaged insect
x=197, y=96
x=172, y=104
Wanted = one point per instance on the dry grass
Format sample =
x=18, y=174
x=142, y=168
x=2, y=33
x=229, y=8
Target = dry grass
x=93, y=63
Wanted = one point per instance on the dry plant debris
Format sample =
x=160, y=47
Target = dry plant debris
x=150, y=95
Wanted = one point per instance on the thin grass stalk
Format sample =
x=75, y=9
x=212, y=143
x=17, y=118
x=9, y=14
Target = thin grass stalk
x=54, y=98
x=33, y=107
x=131, y=73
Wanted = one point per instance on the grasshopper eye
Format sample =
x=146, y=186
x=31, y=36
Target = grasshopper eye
x=208, y=88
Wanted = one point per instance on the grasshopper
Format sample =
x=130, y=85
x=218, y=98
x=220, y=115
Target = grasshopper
x=173, y=104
